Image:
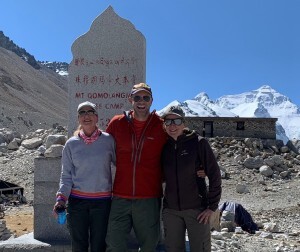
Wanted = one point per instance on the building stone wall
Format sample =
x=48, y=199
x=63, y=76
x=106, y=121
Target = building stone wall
x=264, y=128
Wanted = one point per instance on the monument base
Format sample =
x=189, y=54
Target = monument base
x=26, y=243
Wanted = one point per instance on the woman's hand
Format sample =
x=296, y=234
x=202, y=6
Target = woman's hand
x=204, y=216
x=59, y=203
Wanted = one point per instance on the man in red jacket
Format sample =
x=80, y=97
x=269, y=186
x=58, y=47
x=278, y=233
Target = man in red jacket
x=137, y=189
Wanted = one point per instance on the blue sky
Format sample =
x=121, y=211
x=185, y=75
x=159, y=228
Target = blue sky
x=215, y=46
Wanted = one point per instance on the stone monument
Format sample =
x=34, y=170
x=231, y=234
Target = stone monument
x=107, y=61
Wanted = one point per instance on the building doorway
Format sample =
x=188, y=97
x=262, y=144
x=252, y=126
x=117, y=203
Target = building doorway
x=208, y=129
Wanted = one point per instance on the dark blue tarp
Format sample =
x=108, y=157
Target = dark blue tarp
x=241, y=216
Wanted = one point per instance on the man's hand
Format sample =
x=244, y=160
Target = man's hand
x=204, y=216
x=201, y=174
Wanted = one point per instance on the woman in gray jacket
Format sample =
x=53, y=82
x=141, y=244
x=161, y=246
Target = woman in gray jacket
x=188, y=204
x=86, y=181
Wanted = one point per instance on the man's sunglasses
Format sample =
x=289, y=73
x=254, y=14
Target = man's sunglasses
x=138, y=98
x=177, y=121
x=87, y=112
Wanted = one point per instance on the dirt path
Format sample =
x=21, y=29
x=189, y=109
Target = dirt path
x=19, y=220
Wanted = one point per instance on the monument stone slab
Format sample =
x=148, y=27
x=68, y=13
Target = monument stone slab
x=107, y=61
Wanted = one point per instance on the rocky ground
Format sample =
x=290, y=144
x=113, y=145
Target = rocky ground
x=264, y=180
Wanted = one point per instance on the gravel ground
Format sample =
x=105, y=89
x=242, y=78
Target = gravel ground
x=268, y=200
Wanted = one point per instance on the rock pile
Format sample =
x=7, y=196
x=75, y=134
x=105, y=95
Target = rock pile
x=264, y=177
x=269, y=158
x=17, y=153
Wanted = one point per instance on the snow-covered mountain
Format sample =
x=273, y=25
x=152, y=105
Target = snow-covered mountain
x=262, y=102
x=201, y=105
x=60, y=68
x=266, y=102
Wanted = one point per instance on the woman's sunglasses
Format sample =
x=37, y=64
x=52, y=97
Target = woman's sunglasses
x=86, y=112
x=177, y=121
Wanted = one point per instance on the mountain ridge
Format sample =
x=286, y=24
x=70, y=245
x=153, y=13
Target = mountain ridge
x=8, y=44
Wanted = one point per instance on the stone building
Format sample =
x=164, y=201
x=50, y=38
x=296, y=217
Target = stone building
x=264, y=128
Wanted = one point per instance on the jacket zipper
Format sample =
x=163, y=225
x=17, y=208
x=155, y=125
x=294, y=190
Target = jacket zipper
x=176, y=169
x=133, y=145
x=138, y=151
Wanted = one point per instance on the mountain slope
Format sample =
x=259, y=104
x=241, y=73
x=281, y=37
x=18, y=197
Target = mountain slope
x=9, y=45
x=201, y=105
x=30, y=98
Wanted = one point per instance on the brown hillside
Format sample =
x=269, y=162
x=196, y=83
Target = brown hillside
x=29, y=98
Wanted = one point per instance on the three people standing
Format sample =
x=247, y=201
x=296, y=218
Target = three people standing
x=141, y=144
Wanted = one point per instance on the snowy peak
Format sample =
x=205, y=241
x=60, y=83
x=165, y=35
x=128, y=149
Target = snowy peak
x=265, y=96
x=202, y=97
x=266, y=102
x=266, y=89
x=269, y=96
x=201, y=105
